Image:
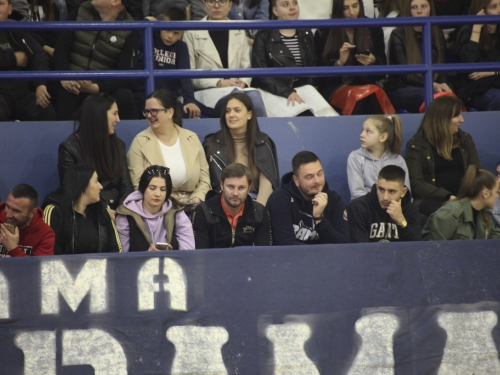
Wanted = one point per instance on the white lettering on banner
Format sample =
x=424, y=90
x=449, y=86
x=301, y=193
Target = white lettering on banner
x=92, y=278
x=469, y=348
x=176, y=284
x=198, y=349
x=288, y=343
x=4, y=297
x=375, y=355
x=39, y=348
x=96, y=348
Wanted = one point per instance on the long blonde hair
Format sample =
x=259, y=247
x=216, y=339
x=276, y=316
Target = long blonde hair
x=393, y=127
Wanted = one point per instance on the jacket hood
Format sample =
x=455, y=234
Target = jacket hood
x=368, y=155
x=134, y=203
x=36, y=221
x=289, y=185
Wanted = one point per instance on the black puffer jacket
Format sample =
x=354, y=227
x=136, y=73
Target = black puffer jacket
x=269, y=51
x=265, y=150
x=114, y=191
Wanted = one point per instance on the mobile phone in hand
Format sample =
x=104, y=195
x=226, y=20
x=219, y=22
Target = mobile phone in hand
x=10, y=227
x=162, y=246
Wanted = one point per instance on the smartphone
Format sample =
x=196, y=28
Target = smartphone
x=10, y=227
x=162, y=246
x=364, y=52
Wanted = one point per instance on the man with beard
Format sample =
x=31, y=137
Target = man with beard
x=386, y=214
x=232, y=218
x=303, y=209
x=22, y=230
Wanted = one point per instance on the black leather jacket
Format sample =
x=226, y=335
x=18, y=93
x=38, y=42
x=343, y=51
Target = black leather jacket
x=269, y=51
x=265, y=149
x=114, y=191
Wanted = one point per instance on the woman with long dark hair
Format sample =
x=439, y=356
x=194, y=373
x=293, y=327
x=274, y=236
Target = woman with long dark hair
x=438, y=155
x=240, y=140
x=80, y=220
x=405, y=47
x=95, y=142
x=469, y=217
x=149, y=217
x=480, y=43
x=167, y=144
x=360, y=46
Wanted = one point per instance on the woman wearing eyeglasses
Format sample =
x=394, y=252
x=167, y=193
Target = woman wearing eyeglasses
x=167, y=144
x=95, y=142
x=148, y=217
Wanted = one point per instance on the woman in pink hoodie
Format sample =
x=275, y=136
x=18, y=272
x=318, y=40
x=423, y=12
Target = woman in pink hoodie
x=150, y=220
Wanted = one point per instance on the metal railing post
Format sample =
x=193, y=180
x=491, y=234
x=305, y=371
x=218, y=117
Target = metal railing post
x=427, y=60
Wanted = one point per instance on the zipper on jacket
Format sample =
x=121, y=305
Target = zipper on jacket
x=28, y=47
x=220, y=160
x=93, y=48
x=274, y=162
x=233, y=230
x=271, y=56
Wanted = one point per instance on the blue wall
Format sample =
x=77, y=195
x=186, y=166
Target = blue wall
x=28, y=151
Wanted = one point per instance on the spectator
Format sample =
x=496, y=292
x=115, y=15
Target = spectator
x=171, y=52
x=81, y=222
x=438, y=155
x=250, y=10
x=480, y=43
x=304, y=210
x=287, y=96
x=95, y=142
x=381, y=141
x=220, y=49
x=452, y=8
x=96, y=50
x=22, y=229
x=19, y=50
x=386, y=213
x=469, y=217
x=148, y=216
x=240, y=140
x=167, y=144
x=156, y=8
x=232, y=218
x=390, y=9
x=351, y=47
x=496, y=210
x=406, y=92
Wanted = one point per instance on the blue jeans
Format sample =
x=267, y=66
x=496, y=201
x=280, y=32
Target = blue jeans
x=409, y=98
x=489, y=101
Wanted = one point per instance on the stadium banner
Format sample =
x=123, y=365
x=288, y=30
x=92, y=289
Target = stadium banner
x=385, y=308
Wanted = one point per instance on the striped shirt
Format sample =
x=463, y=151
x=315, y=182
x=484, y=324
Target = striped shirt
x=292, y=43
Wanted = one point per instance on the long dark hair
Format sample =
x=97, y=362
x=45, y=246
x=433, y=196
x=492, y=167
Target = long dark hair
x=155, y=171
x=253, y=130
x=414, y=45
x=337, y=37
x=167, y=100
x=390, y=5
x=75, y=183
x=436, y=124
x=485, y=42
x=99, y=148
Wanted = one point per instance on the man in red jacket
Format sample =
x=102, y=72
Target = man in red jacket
x=22, y=229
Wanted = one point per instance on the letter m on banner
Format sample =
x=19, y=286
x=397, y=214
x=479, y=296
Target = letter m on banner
x=91, y=279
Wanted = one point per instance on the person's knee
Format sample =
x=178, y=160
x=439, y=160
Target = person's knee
x=5, y=110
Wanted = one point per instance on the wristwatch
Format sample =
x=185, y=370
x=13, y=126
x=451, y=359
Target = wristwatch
x=403, y=224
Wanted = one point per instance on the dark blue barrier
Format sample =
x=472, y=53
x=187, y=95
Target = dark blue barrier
x=427, y=68
x=398, y=309
x=28, y=151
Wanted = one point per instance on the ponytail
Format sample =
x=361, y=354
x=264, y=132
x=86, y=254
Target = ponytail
x=393, y=127
x=474, y=181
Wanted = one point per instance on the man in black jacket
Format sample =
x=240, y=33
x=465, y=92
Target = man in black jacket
x=20, y=51
x=303, y=209
x=386, y=214
x=232, y=218
x=96, y=50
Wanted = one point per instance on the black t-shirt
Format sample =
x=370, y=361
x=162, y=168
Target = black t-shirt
x=449, y=173
x=221, y=41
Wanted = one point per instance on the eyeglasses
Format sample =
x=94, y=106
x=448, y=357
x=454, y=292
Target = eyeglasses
x=153, y=111
x=220, y=2
x=156, y=169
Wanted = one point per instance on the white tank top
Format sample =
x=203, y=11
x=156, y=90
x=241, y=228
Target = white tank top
x=175, y=161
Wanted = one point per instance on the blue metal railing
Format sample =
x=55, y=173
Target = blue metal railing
x=149, y=73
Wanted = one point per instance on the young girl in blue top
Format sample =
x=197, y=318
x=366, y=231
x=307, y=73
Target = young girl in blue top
x=381, y=141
